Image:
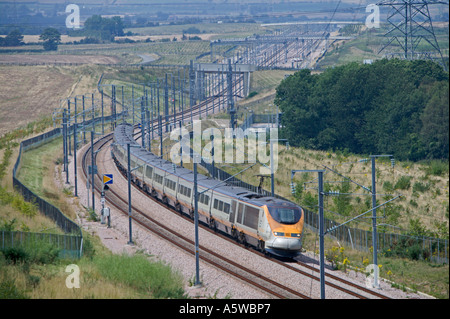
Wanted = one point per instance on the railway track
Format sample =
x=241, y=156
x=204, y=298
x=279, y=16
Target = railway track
x=269, y=286
x=231, y=267
x=235, y=269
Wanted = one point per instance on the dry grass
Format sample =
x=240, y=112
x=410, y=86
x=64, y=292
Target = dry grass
x=429, y=203
x=29, y=93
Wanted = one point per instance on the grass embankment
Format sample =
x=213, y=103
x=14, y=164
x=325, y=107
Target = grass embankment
x=38, y=272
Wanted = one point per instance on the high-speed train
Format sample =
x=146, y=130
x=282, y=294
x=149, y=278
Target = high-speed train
x=269, y=224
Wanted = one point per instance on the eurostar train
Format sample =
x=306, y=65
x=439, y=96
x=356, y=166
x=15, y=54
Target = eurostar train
x=269, y=224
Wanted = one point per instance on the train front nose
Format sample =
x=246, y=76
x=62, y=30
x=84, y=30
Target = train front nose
x=286, y=225
x=285, y=243
x=284, y=246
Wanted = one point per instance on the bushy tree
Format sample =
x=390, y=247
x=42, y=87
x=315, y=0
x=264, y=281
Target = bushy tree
x=392, y=106
x=51, y=38
x=435, y=121
x=14, y=38
x=103, y=28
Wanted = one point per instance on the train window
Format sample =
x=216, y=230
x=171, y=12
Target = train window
x=204, y=199
x=158, y=179
x=285, y=215
x=170, y=184
x=222, y=206
x=184, y=190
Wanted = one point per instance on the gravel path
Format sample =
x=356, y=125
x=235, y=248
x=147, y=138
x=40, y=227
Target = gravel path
x=215, y=283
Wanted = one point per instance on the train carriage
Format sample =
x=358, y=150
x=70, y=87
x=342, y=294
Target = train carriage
x=269, y=224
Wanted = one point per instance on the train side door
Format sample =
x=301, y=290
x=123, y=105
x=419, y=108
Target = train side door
x=233, y=211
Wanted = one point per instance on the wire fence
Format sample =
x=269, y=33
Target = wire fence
x=69, y=244
x=391, y=244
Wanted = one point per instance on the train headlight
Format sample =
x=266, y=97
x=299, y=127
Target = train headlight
x=295, y=235
x=277, y=233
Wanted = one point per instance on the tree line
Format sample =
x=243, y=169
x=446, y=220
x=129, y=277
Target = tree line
x=393, y=107
x=101, y=28
x=96, y=29
x=51, y=38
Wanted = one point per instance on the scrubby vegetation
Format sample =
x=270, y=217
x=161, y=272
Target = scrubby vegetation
x=38, y=271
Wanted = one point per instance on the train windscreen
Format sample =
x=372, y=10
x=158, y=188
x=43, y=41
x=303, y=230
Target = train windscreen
x=285, y=215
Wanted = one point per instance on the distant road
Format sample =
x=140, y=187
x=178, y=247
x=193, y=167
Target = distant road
x=146, y=58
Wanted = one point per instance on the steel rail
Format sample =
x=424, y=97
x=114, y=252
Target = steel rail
x=180, y=241
x=197, y=109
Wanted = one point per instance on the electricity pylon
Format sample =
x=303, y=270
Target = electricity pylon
x=410, y=24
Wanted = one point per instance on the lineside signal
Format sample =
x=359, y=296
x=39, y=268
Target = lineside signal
x=107, y=179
